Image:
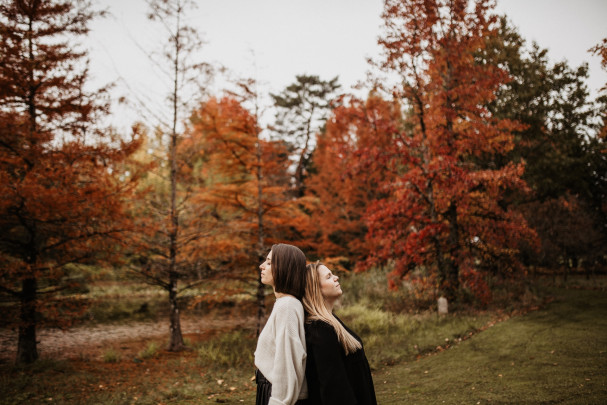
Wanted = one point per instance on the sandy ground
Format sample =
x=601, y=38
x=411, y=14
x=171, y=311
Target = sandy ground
x=94, y=341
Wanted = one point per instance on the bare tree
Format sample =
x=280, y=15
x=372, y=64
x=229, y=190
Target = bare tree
x=162, y=261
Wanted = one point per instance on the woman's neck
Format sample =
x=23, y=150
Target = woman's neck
x=280, y=295
x=330, y=304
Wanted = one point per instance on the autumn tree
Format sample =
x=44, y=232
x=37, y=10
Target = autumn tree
x=444, y=212
x=557, y=142
x=346, y=167
x=160, y=253
x=601, y=137
x=552, y=101
x=555, y=220
x=61, y=187
x=246, y=182
x=302, y=108
x=597, y=147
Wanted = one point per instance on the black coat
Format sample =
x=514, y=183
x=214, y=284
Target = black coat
x=334, y=378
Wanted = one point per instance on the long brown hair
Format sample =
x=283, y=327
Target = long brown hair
x=289, y=270
x=314, y=305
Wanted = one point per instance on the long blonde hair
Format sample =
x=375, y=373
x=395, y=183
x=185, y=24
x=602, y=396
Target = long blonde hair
x=314, y=305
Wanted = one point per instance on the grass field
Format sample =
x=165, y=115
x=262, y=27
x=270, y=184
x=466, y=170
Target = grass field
x=554, y=355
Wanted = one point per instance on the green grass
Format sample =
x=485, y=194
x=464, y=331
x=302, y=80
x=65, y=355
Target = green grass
x=229, y=350
x=390, y=338
x=127, y=300
x=124, y=310
x=150, y=351
x=557, y=355
x=111, y=356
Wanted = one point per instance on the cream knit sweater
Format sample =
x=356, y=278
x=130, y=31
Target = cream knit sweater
x=281, y=352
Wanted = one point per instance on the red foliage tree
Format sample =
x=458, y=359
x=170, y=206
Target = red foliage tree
x=445, y=211
x=345, y=178
x=61, y=184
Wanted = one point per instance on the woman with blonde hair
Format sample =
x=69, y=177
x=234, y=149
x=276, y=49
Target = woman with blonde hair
x=337, y=370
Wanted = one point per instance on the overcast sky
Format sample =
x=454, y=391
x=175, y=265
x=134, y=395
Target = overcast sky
x=274, y=40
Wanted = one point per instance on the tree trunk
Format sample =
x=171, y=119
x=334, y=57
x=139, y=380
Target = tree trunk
x=176, y=338
x=27, y=351
x=261, y=305
x=452, y=269
x=299, y=171
x=261, y=294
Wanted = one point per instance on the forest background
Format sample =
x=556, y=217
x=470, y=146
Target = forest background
x=470, y=168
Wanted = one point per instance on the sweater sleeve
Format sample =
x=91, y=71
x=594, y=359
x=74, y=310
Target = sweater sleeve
x=325, y=349
x=290, y=358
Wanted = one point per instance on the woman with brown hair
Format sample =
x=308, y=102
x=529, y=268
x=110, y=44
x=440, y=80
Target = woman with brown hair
x=280, y=356
x=337, y=370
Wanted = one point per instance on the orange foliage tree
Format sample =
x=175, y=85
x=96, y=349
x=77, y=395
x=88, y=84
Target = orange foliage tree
x=246, y=185
x=445, y=211
x=348, y=164
x=61, y=186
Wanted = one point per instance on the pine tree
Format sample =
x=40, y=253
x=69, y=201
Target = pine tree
x=302, y=110
x=61, y=184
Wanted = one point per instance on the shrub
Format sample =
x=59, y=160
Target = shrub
x=111, y=356
x=150, y=351
x=229, y=350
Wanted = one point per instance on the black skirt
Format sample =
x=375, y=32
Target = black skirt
x=264, y=391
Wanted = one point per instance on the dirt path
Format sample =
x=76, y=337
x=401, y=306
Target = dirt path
x=94, y=341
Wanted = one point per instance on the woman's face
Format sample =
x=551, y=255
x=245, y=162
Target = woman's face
x=266, y=271
x=329, y=286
